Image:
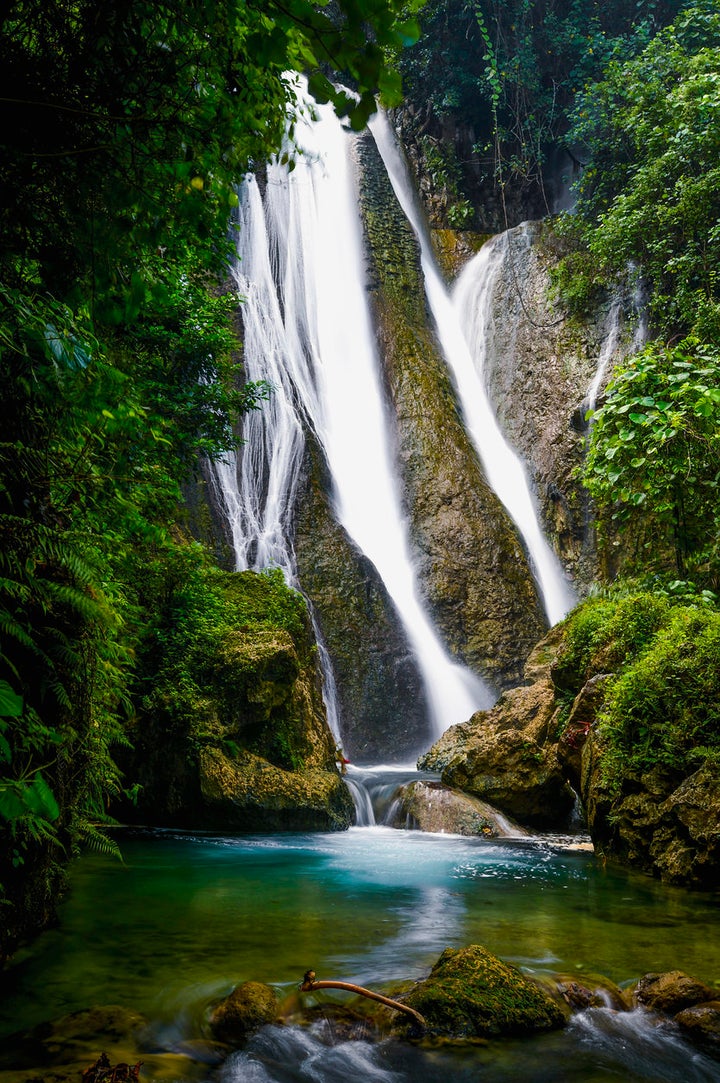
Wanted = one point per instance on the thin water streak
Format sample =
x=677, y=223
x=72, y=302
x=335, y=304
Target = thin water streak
x=465, y=355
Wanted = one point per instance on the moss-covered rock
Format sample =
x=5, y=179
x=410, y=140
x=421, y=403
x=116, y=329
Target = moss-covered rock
x=471, y=993
x=248, y=1008
x=701, y=1025
x=246, y=793
x=671, y=991
x=507, y=756
x=511, y=771
x=234, y=707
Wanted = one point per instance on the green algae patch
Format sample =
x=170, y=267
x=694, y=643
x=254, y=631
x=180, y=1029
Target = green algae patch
x=472, y=994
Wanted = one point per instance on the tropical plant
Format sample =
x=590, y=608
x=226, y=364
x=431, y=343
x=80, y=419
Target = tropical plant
x=654, y=454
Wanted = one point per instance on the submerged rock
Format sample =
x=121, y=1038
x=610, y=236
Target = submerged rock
x=248, y=1008
x=430, y=806
x=471, y=993
x=670, y=992
x=75, y=1037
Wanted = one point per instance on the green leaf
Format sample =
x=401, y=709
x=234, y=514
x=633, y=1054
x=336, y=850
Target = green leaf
x=11, y=704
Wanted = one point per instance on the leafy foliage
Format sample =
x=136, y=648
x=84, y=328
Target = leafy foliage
x=125, y=129
x=654, y=456
x=661, y=702
x=650, y=193
x=663, y=708
x=509, y=71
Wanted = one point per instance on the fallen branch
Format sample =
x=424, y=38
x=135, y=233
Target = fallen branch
x=309, y=985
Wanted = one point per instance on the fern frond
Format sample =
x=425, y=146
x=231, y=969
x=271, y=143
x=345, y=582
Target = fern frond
x=92, y=837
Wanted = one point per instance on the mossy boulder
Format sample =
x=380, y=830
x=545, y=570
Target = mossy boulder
x=247, y=793
x=470, y=993
x=671, y=991
x=234, y=707
x=701, y=1025
x=249, y=1007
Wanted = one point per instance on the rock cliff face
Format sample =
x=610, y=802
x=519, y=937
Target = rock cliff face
x=540, y=365
x=471, y=565
x=380, y=698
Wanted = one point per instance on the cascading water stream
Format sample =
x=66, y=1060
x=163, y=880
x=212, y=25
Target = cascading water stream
x=613, y=329
x=612, y=338
x=465, y=357
x=307, y=331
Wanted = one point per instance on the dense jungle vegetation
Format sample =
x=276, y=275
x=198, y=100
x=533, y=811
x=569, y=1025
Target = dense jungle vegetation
x=125, y=129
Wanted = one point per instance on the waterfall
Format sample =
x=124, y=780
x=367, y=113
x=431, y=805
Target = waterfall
x=307, y=331
x=465, y=354
x=611, y=338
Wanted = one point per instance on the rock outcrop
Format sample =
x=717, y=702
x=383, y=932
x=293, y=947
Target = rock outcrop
x=470, y=563
x=247, y=747
x=507, y=756
x=246, y=793
x=431, y=806
x=541, y=744
x=380, y=698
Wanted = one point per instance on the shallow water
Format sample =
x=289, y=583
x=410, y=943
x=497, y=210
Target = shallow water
x=185, y=918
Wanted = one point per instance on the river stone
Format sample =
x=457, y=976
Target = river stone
x=430, y=806
x=512, y=772
x=471, y=993
x=77, y=1039
x=249, y=794
x=248, y=1008
x=701, y=1024
x=670, y=992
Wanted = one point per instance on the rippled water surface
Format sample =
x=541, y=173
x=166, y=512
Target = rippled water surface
x=185, y=918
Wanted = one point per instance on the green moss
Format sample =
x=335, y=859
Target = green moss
x=664, y=706
x=662, y=703
x=471, y=993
